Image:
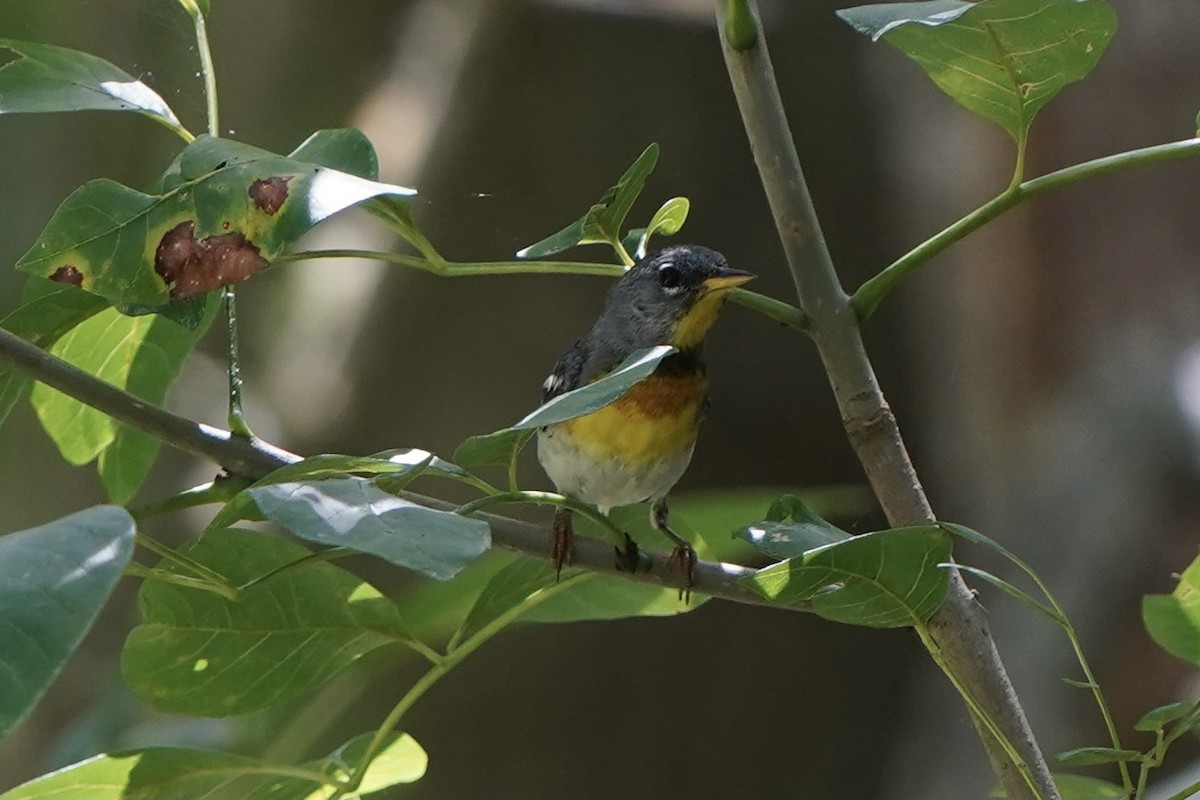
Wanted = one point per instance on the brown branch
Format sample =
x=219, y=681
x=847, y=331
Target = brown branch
x=959, y=629
x=253, y=458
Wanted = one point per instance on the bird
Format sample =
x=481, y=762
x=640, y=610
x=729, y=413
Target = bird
x=637, y=448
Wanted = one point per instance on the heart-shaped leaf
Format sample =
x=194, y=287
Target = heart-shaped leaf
x=1001, y=59
x=352, y=512
x=54, y=579
x=884, y=579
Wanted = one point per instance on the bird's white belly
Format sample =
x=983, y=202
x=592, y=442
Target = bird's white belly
x=603, y=481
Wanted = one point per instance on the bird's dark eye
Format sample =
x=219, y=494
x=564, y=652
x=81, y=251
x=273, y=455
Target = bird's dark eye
x=669, y=276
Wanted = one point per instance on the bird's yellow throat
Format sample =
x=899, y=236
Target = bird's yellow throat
x=694, y=325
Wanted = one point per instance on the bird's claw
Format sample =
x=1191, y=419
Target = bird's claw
x=685, y=557
x=562, y=543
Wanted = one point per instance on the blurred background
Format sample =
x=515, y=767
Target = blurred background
x=1045, y=372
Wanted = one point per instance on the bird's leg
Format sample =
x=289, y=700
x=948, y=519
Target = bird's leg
x=627, y=556
x=562, y=540
x=683, y=554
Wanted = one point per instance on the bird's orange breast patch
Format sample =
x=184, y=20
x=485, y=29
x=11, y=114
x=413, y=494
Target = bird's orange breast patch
x=654, y=420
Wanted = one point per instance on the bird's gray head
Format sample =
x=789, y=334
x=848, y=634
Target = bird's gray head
x=671, y=296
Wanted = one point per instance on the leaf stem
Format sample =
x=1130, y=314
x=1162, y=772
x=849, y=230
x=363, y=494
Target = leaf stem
x=206, y=65
x=237, y=419
x=777, y=310
x=137, y=570
x=1059, y=616
x=868, y=296
x=1190, y=792
x=217, y=491
x=216, y=580
x=935, y=652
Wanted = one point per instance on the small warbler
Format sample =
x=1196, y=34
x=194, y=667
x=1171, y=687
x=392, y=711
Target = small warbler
x=638, y=447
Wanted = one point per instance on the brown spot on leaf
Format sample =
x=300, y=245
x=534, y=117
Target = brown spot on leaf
x=269, y=194
x=68, y=274
x=191, y=266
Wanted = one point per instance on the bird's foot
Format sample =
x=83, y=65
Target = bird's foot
x=627, y=556
x=562, y=541
x=685, y=557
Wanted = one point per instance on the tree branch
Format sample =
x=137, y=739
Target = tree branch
x=868, y=296
x=253, y=458
x=958, y=630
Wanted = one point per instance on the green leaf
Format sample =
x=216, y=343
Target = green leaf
x=603, y=221
x=1174, y=620
x=226, y=210
x=508, y=588
x=401, y=760
x=332, y=466
x=42, y=321
x=392, y=463
x=1001, y=59
x=140, y=354
x=501, y=446
x=1077, y=787
x=159, y=773
x=1157, y=718
x=201, y=654
x=885, y=579
x=790, y=529
x=351, y=512
x=54, y=579
x=345, y=149
x=47, y=78
x=1086, y=756
x=493, y=448
x=150, y=774
x=599, y=393
x=1012, y=591
x=668, y=221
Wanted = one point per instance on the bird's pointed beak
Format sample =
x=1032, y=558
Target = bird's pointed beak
x=727, y=278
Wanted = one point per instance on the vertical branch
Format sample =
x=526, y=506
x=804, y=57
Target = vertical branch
x=958, y=633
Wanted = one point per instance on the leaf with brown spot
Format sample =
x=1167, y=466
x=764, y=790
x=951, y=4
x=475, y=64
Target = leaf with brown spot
x=269, y=194
x=205, y=229
x=192, y=267
x=68, y=274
